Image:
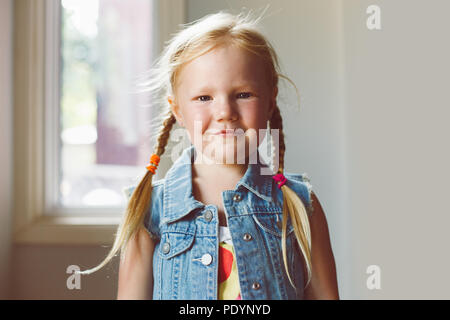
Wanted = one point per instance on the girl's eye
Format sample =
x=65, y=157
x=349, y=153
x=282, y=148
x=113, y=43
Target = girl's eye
x=204, y=98
x=244, y=95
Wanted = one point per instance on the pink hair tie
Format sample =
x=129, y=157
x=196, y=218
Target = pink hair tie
x=280, y=178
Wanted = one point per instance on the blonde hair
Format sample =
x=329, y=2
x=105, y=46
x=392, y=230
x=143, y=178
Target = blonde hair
x=191, y=42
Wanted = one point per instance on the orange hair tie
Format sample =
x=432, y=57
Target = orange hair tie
x=154, y=158
x=154, y=161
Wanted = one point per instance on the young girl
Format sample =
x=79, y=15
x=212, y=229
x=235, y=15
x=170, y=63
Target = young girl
x=214, y=228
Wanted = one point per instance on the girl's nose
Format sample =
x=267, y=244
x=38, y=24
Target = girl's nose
x=225, y=110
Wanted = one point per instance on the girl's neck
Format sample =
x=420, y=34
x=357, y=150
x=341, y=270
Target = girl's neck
x=226, y=175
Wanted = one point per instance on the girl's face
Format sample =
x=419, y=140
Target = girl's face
x=226, y=88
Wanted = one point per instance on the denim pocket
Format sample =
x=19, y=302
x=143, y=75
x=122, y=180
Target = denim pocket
x=176, y=238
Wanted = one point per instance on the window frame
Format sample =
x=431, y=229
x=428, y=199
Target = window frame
x=36, y=119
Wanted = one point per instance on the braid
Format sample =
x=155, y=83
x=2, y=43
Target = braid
x=164, y=133
x=293, y=207
x=276, y=122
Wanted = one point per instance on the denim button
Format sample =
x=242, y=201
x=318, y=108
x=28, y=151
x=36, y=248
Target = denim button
x=206, y=259
x=247, y=237
x=256, y=286
x=237, y=197
x=166, y=247
x=208, y=215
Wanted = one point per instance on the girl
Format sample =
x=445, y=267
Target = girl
x=213, y=228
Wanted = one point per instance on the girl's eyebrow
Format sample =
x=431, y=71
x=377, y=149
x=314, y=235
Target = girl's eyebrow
x=249, y=84
x=204, y=89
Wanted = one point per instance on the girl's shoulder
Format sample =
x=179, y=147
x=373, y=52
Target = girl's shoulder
x=300, y=183
x=157, y=189
x=152, y=218
x=298, y=178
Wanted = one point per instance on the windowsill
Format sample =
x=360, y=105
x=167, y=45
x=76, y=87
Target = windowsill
x=69, y=231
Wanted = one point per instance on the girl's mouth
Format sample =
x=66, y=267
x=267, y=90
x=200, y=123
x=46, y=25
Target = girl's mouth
x=227, y=132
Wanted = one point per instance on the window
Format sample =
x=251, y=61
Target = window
x=82, y=133
x=103, y=125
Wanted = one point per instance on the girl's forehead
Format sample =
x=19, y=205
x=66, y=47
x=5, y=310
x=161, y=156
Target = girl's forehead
x=226, y=62
x=226, y=54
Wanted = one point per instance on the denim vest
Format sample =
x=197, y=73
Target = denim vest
x=186, y=234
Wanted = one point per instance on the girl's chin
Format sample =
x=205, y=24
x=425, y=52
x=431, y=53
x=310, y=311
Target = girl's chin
x=221, y=153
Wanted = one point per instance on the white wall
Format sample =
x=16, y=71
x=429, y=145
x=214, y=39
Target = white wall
x=5, y=142
x=398, y=134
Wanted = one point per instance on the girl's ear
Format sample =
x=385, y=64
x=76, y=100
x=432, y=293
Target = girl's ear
x=175, y=109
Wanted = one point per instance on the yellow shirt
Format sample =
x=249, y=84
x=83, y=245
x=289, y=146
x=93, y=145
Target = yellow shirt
x=228, y=274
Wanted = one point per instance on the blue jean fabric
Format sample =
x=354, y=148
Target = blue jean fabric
x=186, y=234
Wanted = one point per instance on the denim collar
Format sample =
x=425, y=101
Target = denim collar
x=178, y=186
